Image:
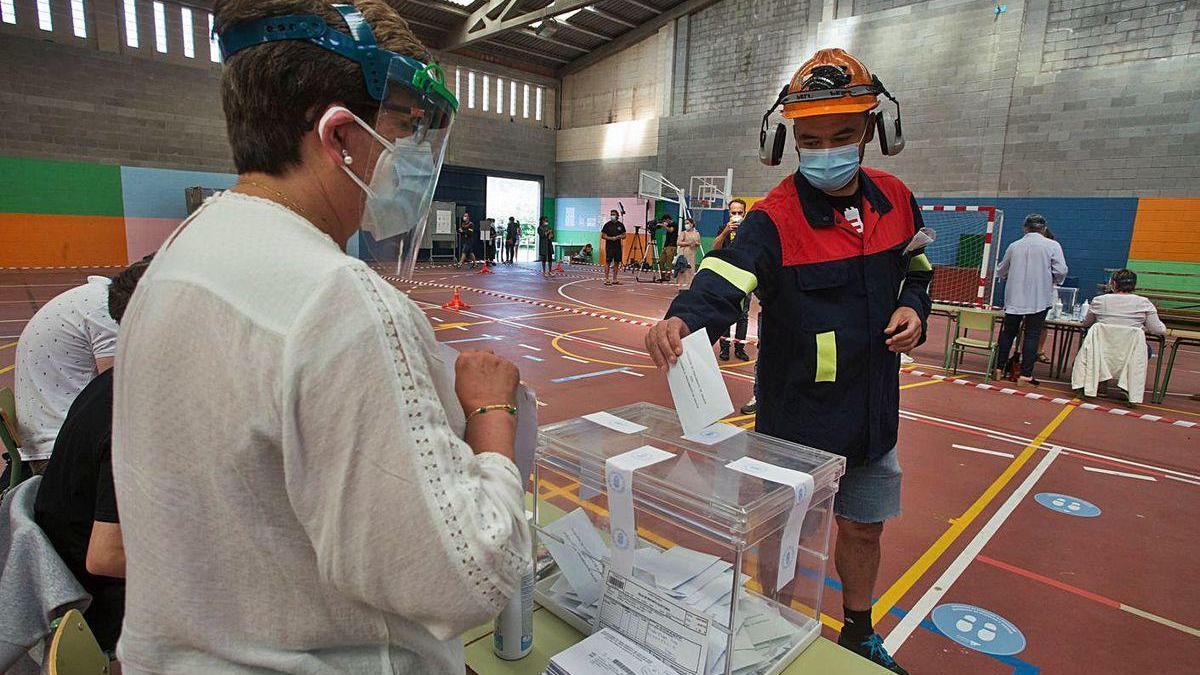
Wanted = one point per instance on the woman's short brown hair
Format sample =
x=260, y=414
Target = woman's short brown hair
x=274, y=93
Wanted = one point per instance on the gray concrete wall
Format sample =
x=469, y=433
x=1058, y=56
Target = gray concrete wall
x=96, y=99
x=1050, y=98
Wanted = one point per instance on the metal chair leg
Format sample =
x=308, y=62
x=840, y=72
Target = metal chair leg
x=1162, y=394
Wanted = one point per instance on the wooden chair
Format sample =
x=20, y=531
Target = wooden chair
x=73, y=649
x=977, y=320
x=10, y=440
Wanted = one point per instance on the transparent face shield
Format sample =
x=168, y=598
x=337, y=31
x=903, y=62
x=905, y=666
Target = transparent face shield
x=410, y=130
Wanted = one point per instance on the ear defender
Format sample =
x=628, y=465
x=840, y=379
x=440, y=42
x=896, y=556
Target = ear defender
x=771, y=142
x=891, y=134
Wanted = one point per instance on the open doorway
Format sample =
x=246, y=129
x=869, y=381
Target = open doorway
x=520, y=199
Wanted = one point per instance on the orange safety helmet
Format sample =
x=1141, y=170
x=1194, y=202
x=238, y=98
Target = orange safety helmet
x=829, y=83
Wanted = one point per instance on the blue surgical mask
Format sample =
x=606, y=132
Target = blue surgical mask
x=830, y=169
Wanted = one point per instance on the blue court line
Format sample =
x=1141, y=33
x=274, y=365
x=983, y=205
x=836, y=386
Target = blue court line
x=533, y=358
x=1019, y=667
x=582, y=376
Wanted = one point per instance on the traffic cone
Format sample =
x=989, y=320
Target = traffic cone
x=485, y=269
x=559, y=269
x=456, y=303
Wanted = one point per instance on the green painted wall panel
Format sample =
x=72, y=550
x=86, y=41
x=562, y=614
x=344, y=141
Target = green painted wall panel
x=53, y=187
x=1187, y=284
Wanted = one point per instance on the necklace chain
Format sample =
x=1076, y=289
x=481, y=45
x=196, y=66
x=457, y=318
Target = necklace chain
x=290, y=203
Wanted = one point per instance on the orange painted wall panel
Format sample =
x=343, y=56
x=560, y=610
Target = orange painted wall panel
x=44, y=240
x=1166, y=229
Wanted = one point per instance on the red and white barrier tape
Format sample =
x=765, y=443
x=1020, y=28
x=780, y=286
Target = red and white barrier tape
x=539, y=303
x=1035, y=396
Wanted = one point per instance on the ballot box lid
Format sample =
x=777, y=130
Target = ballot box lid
x=694, y=488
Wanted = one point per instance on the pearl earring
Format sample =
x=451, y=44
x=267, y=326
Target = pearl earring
x=346, y=158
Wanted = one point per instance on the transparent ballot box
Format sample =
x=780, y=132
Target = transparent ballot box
x=697, y=521
x=1069, y=298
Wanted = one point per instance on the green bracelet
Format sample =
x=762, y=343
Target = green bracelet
x=512, y=410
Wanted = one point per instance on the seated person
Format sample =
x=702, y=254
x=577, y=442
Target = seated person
x=1123, y=307
x=76, y=505
x=64, y=346
x=584, y=255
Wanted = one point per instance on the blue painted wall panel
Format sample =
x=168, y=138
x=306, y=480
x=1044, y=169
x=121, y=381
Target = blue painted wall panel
x=158, y=193
x=584, y=214
x=1094, y=231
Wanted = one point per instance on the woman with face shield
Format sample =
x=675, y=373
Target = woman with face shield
x=296, y=460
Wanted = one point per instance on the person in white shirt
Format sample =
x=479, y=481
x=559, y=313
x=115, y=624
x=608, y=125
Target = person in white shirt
x=306, y=482
x=67, y=343
x=1032, y=266
x=1123, y=307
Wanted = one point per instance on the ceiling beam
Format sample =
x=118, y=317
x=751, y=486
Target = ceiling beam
x=634, y=36
x=533, y=34
x=528, y=52
x=611, y=17
x=498, y=16
x=648, y=8
x=585, y=31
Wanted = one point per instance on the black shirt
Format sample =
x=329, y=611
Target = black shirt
x=613, y=228
x=672, y=234
x=513, y=232
x=77, y=489
x=843, y=204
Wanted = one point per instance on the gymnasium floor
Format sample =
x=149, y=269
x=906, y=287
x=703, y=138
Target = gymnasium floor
x=1115, y=593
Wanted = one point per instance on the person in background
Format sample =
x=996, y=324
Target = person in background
x=670, y=242
x=466, y=238
x=69, y=341
x=737, y=212
x=689, y=245
x=1032, y=266
x=1041, y=348
x=612, y=234
x=487, y=239
x=512, y=236
x=584, y=255
x=307, y=482
x=76, y=505
x=1122, y=307
x=545, y=245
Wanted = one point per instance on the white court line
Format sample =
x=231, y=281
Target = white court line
x=437, y=319
x=1183, y=480
x=930, y=599
x=1110, y=472
x=1160, y=620
x=606, y=309
x=536, y=349
x=533, y=358
x=1021, y=441
x=983, y=450
x=632, y=372
x=572, y=358
x=461, y=328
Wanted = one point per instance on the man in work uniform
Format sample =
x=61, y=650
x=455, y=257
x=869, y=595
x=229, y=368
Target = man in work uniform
x=825, y=252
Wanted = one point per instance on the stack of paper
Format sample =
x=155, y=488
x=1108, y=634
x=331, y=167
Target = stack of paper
x=699, y=581
x=606, y=652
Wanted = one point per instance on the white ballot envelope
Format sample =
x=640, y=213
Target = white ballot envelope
x=697, y=387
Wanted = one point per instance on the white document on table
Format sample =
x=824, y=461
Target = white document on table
x=443, y=226
x=697, y=387
x=615, y=423
x=579, y=551
x=606, y=652
x=802, y=491
x=618, y=475
x=671, y=632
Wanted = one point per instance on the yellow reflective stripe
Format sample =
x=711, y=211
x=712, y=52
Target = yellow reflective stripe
x=740, y=278
x=826, y=357
x=919, y=263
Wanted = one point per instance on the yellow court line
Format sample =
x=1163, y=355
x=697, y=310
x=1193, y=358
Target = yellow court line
x=737, y=365
x=959, y=525
x=460, y=324
x=6, y=346
x=5, y=370
x=555, y=343
x=926, y=383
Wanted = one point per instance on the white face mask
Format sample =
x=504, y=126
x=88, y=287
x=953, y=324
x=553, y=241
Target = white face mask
x=736, y=218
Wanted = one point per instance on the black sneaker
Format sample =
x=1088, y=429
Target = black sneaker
x=872, y=650
x=740, y=352
x=750, y=408
x=724, y=351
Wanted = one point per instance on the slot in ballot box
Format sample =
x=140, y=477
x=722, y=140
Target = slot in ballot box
x=698, y=513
